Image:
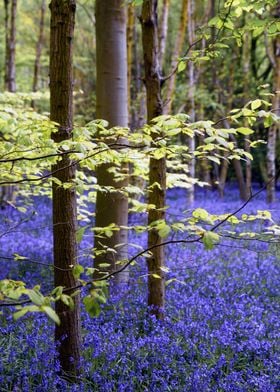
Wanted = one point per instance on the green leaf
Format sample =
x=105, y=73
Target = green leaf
x=167, y=282
x=36, y=297
x=248, y=155
x=20, y=313
x=80, y=233
x=200, y=213
x=67, y=300
x=19, y=257
x=104, y=265
x=164, y=231
x=214, y=159
x=245, y=131
x=203, y=215
x=26, y=309
x=256, y=104
x=108, y=233
x=181, y=66
x=216, y=22
x=51, y=314
x=268, y=121
x=92, y=306
x=210, y=239
x=77, y=270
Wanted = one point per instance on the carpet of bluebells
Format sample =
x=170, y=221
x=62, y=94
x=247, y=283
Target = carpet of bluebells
x=222, y=326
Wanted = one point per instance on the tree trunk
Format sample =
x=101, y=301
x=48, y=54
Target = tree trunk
x=129, y=37
x=191, y=92
x=67, y=334
x=240, y=179
x=162, y=32
x=157, y=168
x=39, y=47
x=224, y=166
x=223, y=176
x=7, y=193
x=111, y=105
x=10, y=32
x=238, y=169
x=212, y=14
x=138, y=109
x=246, y=96
x=171, y=83
x=271, y=140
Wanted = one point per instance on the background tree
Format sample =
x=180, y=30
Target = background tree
x=191, y=92
x=163, y=31
x=272, y=133
x=111, y=105
x=7, y=192
x=39, y=47
x=10, y=37
x=177, y=51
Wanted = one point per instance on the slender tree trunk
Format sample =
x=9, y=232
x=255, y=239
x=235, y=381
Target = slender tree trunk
x=238, y=169
x=171, y=82
x=111, y=105
x=271, y=140
x=225, y=164
x=157, y=168
x=240, y=179
x=204, y=164
x=7, y=193
x=129, y=37
x=162, y=32
x=191, y=92
x=10, y=32
x=212, y=14
x=7, y=46
x=39, y=47
x=223, y=177
x=246, y=96
x=67, y=334
x=139, y=112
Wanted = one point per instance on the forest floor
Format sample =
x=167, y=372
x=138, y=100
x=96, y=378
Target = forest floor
x=221, y=329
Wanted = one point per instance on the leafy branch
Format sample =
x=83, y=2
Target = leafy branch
x=197, y=239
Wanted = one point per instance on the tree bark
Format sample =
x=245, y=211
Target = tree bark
x=129, y=45
x=225, y=164
x=111, y=105
x=157, y=168
x=171, y=83
x=7, y=193
x=271, y=140
x=67, y=334
x=191, y=92
x=162, y=32
x=246, y=96
x=39, y=47
x=10, y=33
